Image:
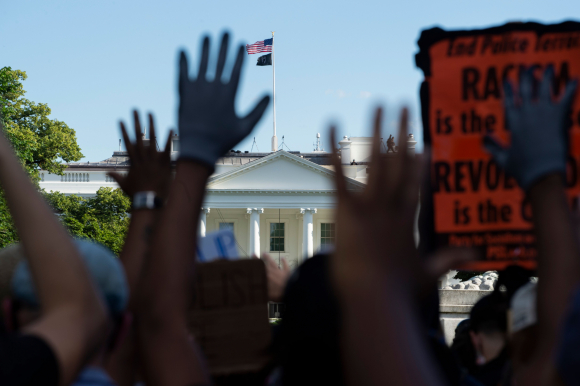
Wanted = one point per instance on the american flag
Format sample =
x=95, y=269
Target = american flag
x=261, y=46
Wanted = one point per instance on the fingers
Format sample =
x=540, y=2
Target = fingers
x=508, y=95
x=236, y=71
x=569, y=94
x=222, y=57
x=375, y=175
x=167, y=149
x=204, y=60
x=545, y=90
x=526, y=85
x=250, y=120
x=152, y=137
x=497, y=151
x=183, y=72
x=335, y=161
x=403, y=130
x=423, y=164
x=138, y=134
x=267, y=259
x=414, y=172
x=401, y=163
x=409, y=171
x=128, y=143
x=285, y=266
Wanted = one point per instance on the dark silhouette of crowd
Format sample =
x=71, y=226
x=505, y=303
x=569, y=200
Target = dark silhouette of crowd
x=361, y=314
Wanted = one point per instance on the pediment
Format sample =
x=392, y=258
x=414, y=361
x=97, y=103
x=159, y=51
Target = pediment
x=278, y=171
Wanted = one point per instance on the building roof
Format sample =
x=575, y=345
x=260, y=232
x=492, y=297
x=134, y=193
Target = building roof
x=120, y=159
x=294, y=158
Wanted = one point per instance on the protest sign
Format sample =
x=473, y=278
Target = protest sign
x=469, y=201
x=217, y=245
x=229, y=318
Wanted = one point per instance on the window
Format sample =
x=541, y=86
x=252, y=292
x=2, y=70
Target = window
x=327, y=234
x=227, y=225
x=277, y=237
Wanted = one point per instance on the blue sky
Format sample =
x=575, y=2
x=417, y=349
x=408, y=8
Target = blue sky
x=92, y=62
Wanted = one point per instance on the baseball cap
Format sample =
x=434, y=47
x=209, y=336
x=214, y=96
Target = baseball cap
x=105, y=269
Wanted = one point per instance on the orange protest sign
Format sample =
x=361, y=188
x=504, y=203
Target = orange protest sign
x=470, y=201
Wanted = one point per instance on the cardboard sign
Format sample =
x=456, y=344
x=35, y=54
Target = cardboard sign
x=229, y=318
x=470, y=201
x=217, y=245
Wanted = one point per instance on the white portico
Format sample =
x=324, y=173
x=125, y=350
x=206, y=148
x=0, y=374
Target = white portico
x=280, y=204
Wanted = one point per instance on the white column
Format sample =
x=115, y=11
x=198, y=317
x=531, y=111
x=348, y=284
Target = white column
x=307, y=232
x=202, y=221
x=255, y=230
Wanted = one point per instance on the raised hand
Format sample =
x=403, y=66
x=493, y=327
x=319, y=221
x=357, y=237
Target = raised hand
x=381, y=215
x=538, y=127
x=208, y=123
x=150, y=170
x=376, y=225
x=375, y=268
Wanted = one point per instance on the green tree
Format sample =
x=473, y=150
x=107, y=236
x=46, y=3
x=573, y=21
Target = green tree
x=39, y=142
x=103, y=218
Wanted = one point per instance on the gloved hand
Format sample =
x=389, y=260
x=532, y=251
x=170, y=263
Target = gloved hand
x=539, y=130
x=208, y=124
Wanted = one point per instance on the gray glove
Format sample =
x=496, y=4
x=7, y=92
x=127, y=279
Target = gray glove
x=539, y=130
x=208, y=124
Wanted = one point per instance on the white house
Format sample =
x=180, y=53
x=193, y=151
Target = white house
x=279, y=202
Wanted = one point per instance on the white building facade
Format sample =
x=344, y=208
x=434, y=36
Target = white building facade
x=279, y=203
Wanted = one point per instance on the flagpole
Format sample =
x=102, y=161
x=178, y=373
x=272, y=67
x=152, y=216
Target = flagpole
x=274, y=138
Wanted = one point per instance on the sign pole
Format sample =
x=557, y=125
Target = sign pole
x=274, y=138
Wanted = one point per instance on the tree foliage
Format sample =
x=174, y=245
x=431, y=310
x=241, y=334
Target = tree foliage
x=40, y=142
x=103, y=218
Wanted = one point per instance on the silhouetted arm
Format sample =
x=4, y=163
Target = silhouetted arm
x=539, y=166
x=377, y=289
x=150, y=171
x=73, y=320
x=208, y=127
x=558, y=260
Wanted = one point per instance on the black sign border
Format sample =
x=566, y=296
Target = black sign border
x=428, y=237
